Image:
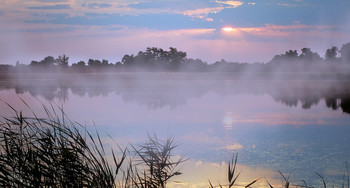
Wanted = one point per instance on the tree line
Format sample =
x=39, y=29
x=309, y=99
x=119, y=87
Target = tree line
x=157, y=59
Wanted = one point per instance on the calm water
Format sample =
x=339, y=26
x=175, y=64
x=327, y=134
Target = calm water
x=293, y=126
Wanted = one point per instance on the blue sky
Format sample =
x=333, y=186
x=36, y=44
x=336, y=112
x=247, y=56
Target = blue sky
x=81, y=29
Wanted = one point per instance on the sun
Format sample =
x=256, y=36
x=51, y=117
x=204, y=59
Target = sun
x=228, y=29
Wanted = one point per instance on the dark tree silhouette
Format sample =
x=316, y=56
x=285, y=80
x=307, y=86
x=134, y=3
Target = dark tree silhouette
x=128, y=60
x=291, y=54
x=331, y=54
x=331, y=102
x=175, y=57
x=80, y=66
x=309, y=56
x=104, y=62
x=34, y=63
x=288, y=56
x=94, y=63
x=345, y=104
x=345, y=53
x=47, y=62
x=155, y=58
x=62, y=61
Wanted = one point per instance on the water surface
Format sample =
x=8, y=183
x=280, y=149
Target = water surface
x=295, y=126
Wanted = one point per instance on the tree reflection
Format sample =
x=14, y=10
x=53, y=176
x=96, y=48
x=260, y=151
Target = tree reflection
x=345, y=104
x=157, y=91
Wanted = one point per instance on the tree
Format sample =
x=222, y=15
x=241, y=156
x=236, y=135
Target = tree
x=80, y=65
x=47, y=62
x=104, y=62
x=309, y=56
x=62, y=61
x=94, y=63
x=331, y=54
x=34, y=63
x=345, y=53
x=176, y=57
x=128, y=60
x=290, y=55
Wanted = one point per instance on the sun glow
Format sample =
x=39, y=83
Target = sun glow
x=228, y=29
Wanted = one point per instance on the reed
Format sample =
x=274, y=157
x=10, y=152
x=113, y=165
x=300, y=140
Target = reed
x=57, y=152
x=233, y=175
x=53, y=152
x=155, y=163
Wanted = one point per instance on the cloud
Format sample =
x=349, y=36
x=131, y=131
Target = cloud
x=49, y=30
x=235, y=146
x=178, y=5
x=53, y=7
x=197, y=173
x=151, y=21
x=283, y=4
x=202, y=13
x=49, y=1
x=96, y=5
x=233, y=4
x=193, y=26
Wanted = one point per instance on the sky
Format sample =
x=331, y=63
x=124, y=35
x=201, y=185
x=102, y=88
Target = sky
x=211, y=30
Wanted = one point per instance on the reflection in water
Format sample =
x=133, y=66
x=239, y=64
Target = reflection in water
x=202, y=171
x=161, y=90
x=213, y=117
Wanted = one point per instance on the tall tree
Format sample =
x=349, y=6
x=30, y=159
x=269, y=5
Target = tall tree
x=288, y=56
x=62, y=61
x=47, y=62
x=345, y=53
x=331, y=54
x=309, y=56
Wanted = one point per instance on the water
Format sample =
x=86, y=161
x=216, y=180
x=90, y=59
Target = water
x=298, y=127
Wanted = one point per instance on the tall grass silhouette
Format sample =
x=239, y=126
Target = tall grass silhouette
x=155, y=163
x=53, y=152
x=57, y=152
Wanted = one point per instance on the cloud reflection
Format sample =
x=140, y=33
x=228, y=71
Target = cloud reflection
x=197, y=173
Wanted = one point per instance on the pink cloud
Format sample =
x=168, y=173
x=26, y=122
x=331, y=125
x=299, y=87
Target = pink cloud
x=249, y=44
x=233, y=4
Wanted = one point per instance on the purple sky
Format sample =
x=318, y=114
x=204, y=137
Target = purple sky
x=256, y=30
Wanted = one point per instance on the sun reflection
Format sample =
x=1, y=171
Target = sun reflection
x=196, y=175
x=228, y=120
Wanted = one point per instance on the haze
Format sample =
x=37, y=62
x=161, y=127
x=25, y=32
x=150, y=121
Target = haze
x=240, y=31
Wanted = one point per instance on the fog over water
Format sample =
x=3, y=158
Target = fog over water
x=159, y=90
x=267, y=80
x=293, y=124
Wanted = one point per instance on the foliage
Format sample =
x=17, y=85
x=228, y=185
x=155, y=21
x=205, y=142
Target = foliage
x=62, y=61
x=309, y=56
x=56, y=152
x=345, y=53
x=288, y=56
x=233, y=175
x=159, y=166
x=331, y=54
x=157, y=59
x=53, y=152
